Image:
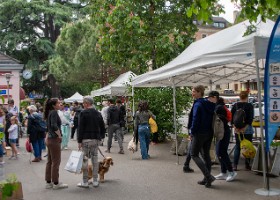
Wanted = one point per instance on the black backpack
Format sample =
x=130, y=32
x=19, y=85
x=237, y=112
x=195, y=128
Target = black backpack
x=239, y=117
x=40, y=124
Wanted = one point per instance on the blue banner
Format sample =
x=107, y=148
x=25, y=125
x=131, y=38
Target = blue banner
x=272, y=85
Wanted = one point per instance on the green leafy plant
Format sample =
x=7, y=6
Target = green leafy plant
x=8, y=186
x=161, y=104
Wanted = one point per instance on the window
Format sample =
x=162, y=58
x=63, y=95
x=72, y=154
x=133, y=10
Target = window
x=216, y=24
x=221, y=25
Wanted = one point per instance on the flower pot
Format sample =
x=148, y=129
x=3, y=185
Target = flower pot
x=11, y=191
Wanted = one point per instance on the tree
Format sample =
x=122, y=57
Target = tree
x=254, y=8
x=29, y=29
x=141, y=34
x=77, y=63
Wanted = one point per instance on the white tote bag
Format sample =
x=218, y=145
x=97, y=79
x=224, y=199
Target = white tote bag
x=132, y=146
x=75, y=162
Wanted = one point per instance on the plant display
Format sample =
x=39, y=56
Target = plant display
x=8, y=186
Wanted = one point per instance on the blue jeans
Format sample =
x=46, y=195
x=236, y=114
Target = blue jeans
x=1, y=150
x=222, y=152
x=144, y=138
x=37, y=147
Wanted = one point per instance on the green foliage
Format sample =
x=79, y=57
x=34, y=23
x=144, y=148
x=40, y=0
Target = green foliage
x=29, y=29
x=77, y=64
x=161, y=104
x=254, y=8
x=140, y=34
x=8, y=186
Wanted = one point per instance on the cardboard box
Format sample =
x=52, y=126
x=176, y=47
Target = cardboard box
x=8, y=151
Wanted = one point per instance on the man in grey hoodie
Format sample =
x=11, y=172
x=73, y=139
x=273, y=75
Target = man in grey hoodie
x=114, y=119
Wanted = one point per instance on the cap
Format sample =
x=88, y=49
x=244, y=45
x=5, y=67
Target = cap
x=213, y=94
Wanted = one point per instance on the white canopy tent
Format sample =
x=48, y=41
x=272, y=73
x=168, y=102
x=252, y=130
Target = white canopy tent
x=224, y=57
x=117, y=88
x=76, y=97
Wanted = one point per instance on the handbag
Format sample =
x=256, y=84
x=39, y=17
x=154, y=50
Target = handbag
x=153, y=125
x=28, y=146
x=75, y=162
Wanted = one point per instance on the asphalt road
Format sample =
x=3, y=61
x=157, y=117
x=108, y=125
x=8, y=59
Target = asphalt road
x=132, y=178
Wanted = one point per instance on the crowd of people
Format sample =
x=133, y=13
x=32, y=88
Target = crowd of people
x=201, y=133
x=89, y=127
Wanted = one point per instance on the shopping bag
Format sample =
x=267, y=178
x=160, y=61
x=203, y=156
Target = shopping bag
x=153, y=125
x=247, y=148
x=132, y=145
x=28, y=146
x=75, y=162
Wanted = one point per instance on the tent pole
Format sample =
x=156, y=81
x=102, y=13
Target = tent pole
x=174, y=116
x=264, y=160
x=133, y=110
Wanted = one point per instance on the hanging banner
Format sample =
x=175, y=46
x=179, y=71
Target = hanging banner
x=272, y=85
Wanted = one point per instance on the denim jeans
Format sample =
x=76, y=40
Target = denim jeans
x=201, y=143
x=37, y=147
x=144, y=138
x=1, y=150
x=237, y=149
x=65, y=129
x=222, y=152
x=90, y=150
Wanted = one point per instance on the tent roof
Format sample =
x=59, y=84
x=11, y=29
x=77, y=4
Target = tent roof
x=76, y=97
x=223, y=57
x=117, y=88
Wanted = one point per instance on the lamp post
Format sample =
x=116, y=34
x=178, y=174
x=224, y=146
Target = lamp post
x=8, y=78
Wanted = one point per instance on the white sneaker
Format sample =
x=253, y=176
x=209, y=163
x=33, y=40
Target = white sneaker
x=221, y=176
x=65, y=148
x=95, y=183
x=231, y=176
x=60, y=186
x=83, y=185
x=49, y=185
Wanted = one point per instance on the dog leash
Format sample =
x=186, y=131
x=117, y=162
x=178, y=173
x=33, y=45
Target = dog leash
x=101, y=152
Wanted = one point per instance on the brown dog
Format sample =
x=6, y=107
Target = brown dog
x=103, y=168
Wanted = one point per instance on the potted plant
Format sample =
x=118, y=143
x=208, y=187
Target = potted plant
x=11, y=188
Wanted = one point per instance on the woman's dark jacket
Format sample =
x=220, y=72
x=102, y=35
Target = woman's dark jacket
x=53, y=124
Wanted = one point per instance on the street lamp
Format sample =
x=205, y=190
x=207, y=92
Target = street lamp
x=8, y=78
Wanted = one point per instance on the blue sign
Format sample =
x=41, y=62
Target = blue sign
x=272, y=85
x=3, y=92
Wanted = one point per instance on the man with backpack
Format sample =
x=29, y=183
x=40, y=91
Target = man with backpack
x=243, y=114
x=222, y=143
x=36, y=132
x=201, y=117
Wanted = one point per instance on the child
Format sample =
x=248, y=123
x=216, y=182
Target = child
x=13, y=135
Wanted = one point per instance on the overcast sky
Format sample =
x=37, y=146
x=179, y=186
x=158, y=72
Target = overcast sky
x=229, y=8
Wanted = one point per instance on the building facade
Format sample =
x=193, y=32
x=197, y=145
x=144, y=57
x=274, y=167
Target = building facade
x=10, y=72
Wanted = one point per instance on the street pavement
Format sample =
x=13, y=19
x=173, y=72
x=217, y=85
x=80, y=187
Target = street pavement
x=131, y=178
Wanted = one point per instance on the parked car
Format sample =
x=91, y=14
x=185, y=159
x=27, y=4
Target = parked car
x=257, y=111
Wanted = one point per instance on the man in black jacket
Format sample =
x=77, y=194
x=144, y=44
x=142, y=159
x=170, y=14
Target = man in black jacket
x=114, y=121
x=91, y=130
x=77, y=110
